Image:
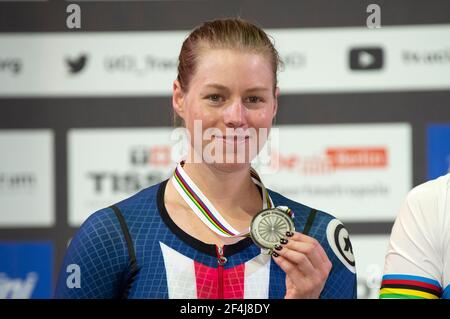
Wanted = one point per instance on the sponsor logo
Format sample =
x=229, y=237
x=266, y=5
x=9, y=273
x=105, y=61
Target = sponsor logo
x=76, y=64
x=334, y=159
x=339, y=241
x=159, y=155
x=17, y=288
x=26, y=270
x=366, y=59
x=356, y=172
x=139, y=157
x=118, y=183
x=357, y=157
x=120, y=163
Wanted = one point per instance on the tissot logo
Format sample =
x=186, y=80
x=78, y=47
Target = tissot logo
x=123, y=183
x=366, y=59
x=76, y=64
x=141, y=157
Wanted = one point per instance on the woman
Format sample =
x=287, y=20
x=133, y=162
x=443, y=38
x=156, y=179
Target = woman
x=187, y=237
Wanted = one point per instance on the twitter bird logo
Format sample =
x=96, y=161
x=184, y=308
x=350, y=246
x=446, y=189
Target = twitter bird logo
x=76, y=64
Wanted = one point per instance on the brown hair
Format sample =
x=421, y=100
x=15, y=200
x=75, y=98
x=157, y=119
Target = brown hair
x=230, y=33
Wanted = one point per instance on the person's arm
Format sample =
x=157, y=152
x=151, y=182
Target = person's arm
x=96, y=261
x=413, y=264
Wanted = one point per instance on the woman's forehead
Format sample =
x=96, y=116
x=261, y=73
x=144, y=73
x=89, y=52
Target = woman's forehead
x=222, y=57
x=225, y=67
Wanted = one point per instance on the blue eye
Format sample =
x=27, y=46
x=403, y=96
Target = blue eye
x=254, y=99
x=214, y=98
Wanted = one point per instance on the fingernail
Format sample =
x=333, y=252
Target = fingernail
x=289, y=234
x=278, y=247
x=274, y=254
x=283, y=241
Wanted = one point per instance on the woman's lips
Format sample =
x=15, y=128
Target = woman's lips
x=233, y=139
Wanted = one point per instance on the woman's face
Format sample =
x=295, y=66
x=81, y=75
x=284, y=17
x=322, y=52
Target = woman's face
x=232, y=96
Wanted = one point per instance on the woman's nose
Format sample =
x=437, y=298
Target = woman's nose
x=235, y=115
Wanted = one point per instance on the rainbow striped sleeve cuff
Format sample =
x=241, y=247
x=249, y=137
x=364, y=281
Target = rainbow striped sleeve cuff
x=409, y=287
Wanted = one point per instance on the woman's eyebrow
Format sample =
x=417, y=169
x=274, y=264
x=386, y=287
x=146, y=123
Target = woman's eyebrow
x=224, y=88
x=216, y=86
x=258, y=88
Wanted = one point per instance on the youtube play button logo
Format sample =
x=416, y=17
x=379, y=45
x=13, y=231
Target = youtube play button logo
x=366, y=58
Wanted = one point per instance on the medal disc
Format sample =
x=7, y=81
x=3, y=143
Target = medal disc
x=269, y=226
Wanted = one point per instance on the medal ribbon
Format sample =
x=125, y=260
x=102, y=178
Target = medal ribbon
x=204, y=209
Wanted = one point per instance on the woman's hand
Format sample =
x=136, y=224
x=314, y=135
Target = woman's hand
x=305, y=263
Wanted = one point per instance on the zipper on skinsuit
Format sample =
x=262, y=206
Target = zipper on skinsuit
x=221, y=260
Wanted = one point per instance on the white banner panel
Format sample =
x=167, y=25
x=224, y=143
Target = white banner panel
x=393, y=58
x=89, y=63
x=145, y=63
x=108, y=165
x=356, y=172
x=26, y=178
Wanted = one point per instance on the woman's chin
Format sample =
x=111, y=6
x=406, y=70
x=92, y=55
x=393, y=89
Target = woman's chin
x=232, y=161
x=230, y=167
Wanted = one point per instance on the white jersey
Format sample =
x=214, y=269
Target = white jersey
x=417, y=263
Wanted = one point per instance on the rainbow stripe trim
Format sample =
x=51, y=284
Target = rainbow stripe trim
x=204, y=209
x=255, y=175
x=200, y=204
x=409, y=287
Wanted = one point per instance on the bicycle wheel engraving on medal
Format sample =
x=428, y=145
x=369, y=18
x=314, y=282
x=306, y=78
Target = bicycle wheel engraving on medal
x=269, y=226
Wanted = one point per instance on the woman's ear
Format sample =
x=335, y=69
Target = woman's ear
x=178, y=99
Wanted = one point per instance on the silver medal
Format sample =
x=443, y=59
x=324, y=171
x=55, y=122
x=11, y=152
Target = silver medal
x=269, y=226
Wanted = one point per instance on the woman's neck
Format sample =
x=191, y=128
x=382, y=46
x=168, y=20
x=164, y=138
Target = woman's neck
x=228, y=191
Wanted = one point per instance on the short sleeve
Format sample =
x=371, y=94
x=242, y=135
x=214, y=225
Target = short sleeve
x=413, y=264
x=96, y=260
